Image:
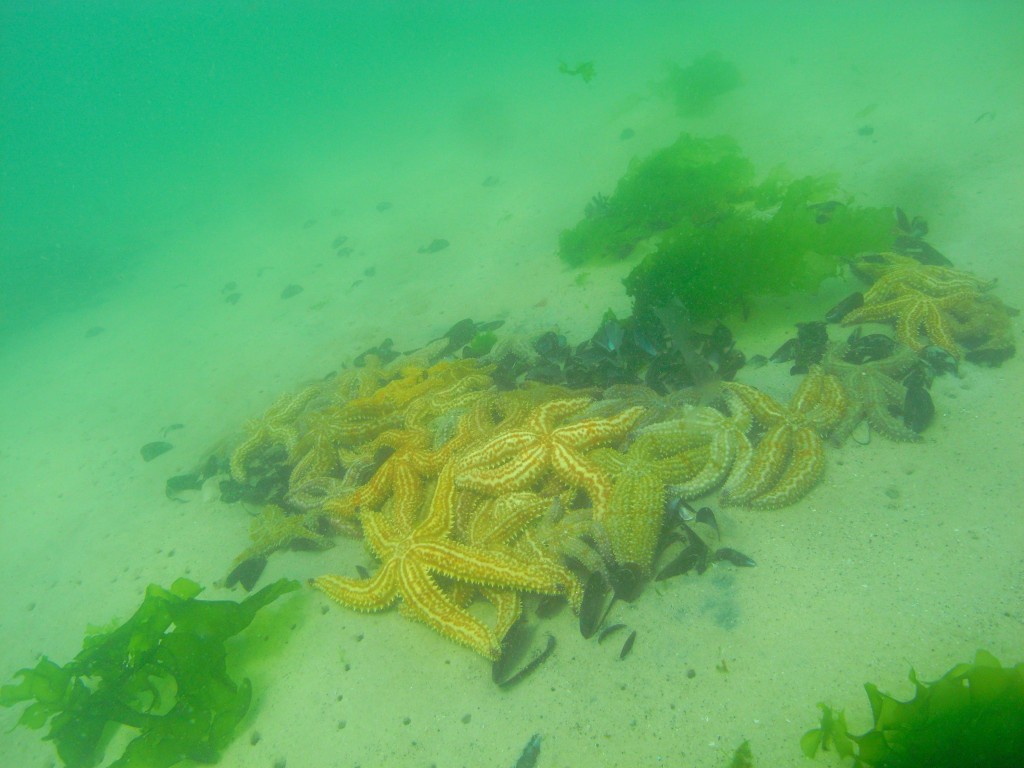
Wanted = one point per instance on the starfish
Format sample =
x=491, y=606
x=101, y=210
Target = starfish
x=790, y=457
x=717, y=442
x=630, y=529
x=412, y=557
x=403, y=474
x=894, y=273
x=516, y=459
x=874, y=392
x=275, y=529
x=920, y=300
x=915, y=315
x=276, y=427
x=501, y=523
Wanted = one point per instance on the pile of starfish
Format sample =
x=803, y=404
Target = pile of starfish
x=934, y=305
x=467, y=493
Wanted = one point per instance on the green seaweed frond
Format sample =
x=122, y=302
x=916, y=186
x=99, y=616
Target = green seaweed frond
x=163, y=672
x=971, y=717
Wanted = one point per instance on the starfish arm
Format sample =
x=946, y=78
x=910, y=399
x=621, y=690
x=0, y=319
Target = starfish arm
x=855, y=414
x=633, y=522
x=373, y=594
x=764, y=467
x=593, y=432
x=938, y=329
x=892, y=427
x=508, y=607
x=517, y=474
x=545, y=416
x=490, y=568
x=498, y=450
x=380, y=534
x=577, y=470
x=726, y=447
x=424, y=600
x=765, y=410
x=880, y=312
x=804, y=470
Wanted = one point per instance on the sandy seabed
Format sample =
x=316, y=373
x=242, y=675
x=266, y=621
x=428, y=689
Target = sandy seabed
x=906, y=555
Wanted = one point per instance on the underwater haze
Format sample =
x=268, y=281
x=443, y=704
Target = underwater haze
x=256, y=255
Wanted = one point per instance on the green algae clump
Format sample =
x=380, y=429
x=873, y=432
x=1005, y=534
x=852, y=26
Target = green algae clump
x=972, y=717
x=714, y=238
x=163, y=672
x=786, y=237
x=692, y=180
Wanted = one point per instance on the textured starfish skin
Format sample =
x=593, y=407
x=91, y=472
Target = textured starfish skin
x=517, y=459
x=411, y=557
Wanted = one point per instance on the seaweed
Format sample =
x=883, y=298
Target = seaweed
x=781, y=240
x=162, y=672
x=717, y=238
x=692, y=180
x=973, y=716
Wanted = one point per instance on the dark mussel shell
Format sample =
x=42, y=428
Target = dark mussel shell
x=866, y=349
x=845, y=307
x=598, y=598
x=918, y=408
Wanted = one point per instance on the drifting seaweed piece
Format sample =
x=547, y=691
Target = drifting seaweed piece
x=151, y=450
x=761, y=241
x=695, y=88
x=742, y=757
x=435, y=245
x=971, y=717
x=163, y=672
x=584, y=70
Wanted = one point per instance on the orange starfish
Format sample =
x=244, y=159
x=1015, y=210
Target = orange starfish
x=516, y=459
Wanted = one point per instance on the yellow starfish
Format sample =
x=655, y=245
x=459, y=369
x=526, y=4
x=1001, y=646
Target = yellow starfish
x=790, y=457
x=893, y=274
x=925, y=303
x=516, y=459
x=631, y=527
x=715, y=441
x=410, y=558
x=916, y=315
x=501, y=523
x=275, y=529
x=276, y=427
x=403, y=474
